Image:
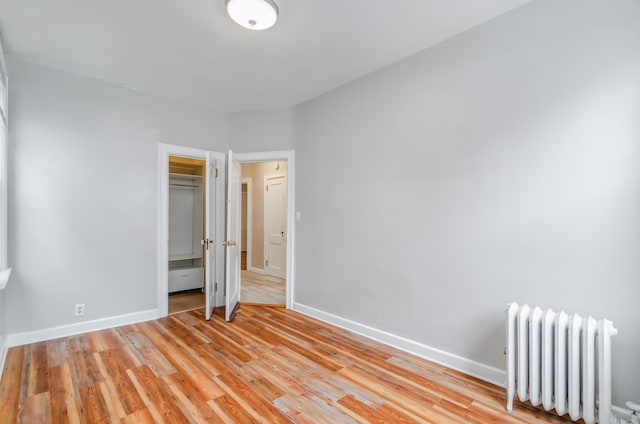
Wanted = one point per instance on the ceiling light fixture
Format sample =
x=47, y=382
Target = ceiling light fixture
x=253, y=14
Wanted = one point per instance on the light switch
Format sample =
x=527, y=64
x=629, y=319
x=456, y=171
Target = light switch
x=298, y=217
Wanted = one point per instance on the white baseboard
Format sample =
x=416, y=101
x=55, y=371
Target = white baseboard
x=18, y=339
x=468, y=366
x=256, y=270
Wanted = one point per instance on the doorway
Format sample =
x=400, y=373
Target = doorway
x=221, y=287
x=186, y=232
x=198, y=195
x=264, y=220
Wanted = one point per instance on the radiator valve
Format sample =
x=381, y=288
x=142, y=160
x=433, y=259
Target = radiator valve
x=635, y=416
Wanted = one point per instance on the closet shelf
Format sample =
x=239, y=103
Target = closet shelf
x=185, y=176
x=185, y=257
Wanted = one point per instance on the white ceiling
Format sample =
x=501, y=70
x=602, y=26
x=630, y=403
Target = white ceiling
x=190, y=50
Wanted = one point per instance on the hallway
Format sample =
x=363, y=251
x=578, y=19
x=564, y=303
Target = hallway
x=262, y=289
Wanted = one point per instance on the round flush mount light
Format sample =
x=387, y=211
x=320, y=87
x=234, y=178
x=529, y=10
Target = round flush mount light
x=253, y=14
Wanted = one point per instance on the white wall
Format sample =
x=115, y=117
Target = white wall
x=501, y=165
x=83, y=193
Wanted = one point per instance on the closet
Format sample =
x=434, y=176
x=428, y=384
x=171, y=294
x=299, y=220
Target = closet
x=186, y=224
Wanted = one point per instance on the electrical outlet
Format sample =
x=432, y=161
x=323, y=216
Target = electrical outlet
x=79, y=309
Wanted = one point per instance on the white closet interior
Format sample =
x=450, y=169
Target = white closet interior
x=186, y=224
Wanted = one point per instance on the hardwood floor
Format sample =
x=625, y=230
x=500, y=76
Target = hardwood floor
x=256, y=289
x=188, y=301
x=270, y=365
x=261, y=288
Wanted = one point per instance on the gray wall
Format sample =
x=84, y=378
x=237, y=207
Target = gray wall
x=257, y=131
x=501, y=165
x=83, y=193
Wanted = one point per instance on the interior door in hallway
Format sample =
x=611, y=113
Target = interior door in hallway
x=275, y=210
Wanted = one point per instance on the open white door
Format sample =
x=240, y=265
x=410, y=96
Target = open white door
x=232, y=247
x=210, y=235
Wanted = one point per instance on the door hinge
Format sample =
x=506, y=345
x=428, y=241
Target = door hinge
x=266, y=263
x=215, y=287
x=215, y=172
x=267, y=188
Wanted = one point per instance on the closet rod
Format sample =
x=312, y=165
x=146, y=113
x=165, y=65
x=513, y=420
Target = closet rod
x=183, y=186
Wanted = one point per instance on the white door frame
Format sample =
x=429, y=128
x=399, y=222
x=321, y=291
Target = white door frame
x=249, y=181
x=164, y=151
x=289, y=156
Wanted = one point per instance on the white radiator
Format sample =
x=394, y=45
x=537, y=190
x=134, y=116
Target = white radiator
x=559, y=361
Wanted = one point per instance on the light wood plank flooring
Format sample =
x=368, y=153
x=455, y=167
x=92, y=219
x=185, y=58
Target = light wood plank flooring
x=270, y=365
x=186, y=301
x=261, y=288
x=256, y=289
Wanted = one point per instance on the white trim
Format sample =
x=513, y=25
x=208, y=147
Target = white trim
x=249, y=182
x=254, y=269
x=468, y=366
x=18, y=339
x=289, y=156
x=273, y=156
